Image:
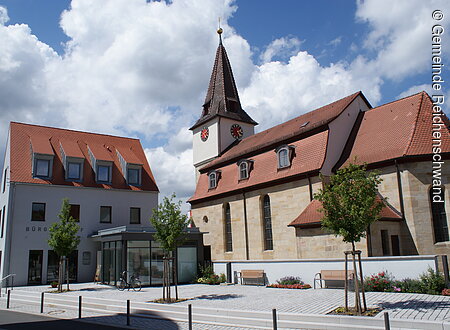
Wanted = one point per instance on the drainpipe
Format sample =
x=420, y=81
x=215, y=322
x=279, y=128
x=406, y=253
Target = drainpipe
x=400, y=190
x=247, y=257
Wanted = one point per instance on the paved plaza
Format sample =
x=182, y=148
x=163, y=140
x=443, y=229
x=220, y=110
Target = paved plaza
x=241, y=298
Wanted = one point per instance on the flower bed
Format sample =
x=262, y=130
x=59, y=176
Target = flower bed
x=290, y=286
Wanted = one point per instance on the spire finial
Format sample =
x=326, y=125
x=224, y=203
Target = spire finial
x=219, y=32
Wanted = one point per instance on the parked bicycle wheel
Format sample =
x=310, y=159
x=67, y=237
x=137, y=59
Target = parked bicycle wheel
x=136, y=285
x=121, y=285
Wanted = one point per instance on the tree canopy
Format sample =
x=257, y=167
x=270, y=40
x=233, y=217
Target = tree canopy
x=169, y=223
x=63, y=234
x=350, y=202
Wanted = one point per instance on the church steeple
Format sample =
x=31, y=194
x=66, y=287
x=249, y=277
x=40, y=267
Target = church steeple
x=223, y=122
x=222, y=98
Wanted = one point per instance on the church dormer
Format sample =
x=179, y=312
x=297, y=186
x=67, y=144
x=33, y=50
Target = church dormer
x=222, y=121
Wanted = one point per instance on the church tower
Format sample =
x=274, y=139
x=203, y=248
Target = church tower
x=223, y=121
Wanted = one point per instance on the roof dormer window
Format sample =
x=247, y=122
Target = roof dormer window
x=73, y=171
x=244, y=167
x=43, y=153
x=213, y=179
x=243, y=171
x=284, y=156
x=73, y=160
x=134, y=175
x=101, y=162
x=42, y=167
x=130, y=165
x=103, y=173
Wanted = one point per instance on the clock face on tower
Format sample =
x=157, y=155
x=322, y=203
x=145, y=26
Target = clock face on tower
x=236, y=131
x=204, y=134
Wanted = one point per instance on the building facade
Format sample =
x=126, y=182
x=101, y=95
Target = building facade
x=111, y=190
x=254, y=195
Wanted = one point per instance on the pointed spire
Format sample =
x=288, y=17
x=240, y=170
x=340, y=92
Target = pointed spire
x=222, y=98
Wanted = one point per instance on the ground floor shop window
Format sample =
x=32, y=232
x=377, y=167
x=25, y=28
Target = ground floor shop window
x=112, y=262
x=186, y=263
x=144, y=259
x=35, y=267
x=53, y=266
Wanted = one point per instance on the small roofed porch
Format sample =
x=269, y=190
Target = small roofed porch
x=385, y=237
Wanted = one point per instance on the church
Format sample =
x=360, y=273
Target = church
x=254, y=192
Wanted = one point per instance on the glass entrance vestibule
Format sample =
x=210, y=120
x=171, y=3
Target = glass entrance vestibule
x=140, y=255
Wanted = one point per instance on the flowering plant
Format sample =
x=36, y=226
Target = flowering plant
x=380, y=282
x=290, y=286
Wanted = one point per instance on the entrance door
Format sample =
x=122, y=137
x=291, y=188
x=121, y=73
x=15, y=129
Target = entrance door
x=35, y=267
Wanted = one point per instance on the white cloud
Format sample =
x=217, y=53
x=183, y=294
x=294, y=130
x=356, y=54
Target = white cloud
x=335, y=42
x=416, y=89
x=400, y=35
x=136, y=68
x=282, y=47
x=3, y=16
x=173, y=172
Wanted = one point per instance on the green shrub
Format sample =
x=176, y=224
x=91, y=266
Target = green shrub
x=432, y=282
x=409, y=285
x=209, y=277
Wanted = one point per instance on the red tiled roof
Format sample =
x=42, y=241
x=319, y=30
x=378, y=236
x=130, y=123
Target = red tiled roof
x=129, y=156
x=100, y=152
x=398, y=129
x=290, y=129
x=41, y=145
x=265, y=168
x=311, y=215
x=21, y=163
x=71, y=148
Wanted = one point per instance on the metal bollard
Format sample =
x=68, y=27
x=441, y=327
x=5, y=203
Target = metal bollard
x=79, y=307
x=42, y=302
x=8, y=298
x=190, y=316
x=387, y=326
x=128, y=312
x=274, y=318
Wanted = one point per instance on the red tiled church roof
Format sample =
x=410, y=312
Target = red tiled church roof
x=75, y=144
x=265, y=168
x=398, y=129
x=285, y=131
x=311, y=216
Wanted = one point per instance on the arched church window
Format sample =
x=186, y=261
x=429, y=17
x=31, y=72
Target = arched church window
x=439, y=217
x=267, y=224
x=228, y=233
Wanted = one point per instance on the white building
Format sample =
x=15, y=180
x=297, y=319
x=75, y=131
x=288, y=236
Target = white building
x=107, y=180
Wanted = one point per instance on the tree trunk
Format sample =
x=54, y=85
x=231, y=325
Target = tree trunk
x=67, y=272
x=60, y=274
x=356, y=281
x=175, y=277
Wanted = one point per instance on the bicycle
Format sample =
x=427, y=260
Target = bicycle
x=123, y=284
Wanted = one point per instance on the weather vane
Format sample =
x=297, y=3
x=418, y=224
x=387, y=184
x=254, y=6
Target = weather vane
x=219, y=32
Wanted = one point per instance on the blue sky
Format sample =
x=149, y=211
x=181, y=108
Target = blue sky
x=141, y=69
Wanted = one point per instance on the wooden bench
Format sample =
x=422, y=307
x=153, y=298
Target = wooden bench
x=254, y=275
x=332, y=275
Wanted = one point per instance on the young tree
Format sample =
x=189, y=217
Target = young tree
x=63, y=238
x=169, y=224
x=350, y=205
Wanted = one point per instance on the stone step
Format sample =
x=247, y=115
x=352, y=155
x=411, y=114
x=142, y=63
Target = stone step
x=217, y=316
